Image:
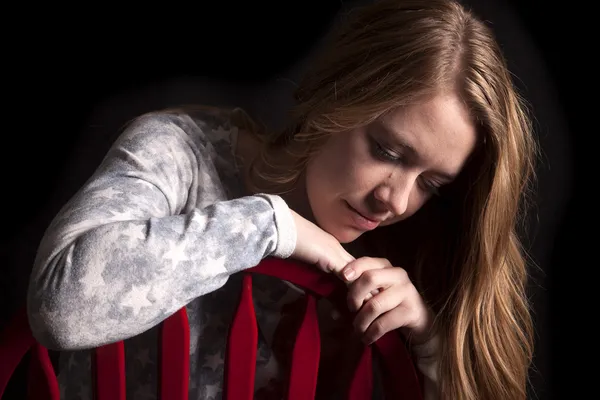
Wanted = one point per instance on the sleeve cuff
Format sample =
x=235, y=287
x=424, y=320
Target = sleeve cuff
x=427, y=355
x=286, y=227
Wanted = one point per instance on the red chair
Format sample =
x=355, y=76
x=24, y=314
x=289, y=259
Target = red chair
x=400, y=380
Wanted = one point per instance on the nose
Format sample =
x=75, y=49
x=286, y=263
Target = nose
x=394, y=196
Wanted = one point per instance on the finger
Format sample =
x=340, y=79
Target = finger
x=378, y=305
x=354, y=269
x=372, y=281
x=346, y=258
x=370, y=295
x=343, y=258
x=393, y=319
x=335, y=264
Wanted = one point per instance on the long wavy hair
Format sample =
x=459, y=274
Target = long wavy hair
x=463, y=249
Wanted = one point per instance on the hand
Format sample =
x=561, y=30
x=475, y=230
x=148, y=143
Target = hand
x=385, y=299
x=317, y=247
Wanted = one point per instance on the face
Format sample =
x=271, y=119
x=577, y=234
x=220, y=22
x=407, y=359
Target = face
x=384, y=172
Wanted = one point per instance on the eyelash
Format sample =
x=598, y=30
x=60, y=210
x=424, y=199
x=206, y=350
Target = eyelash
x=383, y=154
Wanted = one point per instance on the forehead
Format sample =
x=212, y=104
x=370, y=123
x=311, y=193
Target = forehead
x=440, y=130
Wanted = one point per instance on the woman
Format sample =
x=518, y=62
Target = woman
x=409, y=112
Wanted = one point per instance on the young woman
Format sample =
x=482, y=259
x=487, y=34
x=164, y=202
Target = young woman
x=403, y=173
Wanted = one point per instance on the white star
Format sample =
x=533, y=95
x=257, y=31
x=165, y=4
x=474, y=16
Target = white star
x=200, y=220
x=136, y=298
x=92, y=279
x=244, y=226
x=160, y=292
x=134, y=233
x=214, y=361
x=213, y=267
x=212, y=391
x=107, y=193
x=175, y=253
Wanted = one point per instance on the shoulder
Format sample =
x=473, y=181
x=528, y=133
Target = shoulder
x=199, y=129
x=193, y=123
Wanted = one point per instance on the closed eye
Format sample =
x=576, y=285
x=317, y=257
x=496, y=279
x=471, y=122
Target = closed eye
x=382, y=153
x=431, y=187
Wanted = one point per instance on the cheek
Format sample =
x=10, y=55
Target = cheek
x=334, y=167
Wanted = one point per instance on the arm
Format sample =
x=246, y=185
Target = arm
x=130, y=248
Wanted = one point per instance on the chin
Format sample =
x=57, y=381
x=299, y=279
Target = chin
x=344, y=235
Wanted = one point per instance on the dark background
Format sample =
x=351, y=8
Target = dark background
x=73, y=76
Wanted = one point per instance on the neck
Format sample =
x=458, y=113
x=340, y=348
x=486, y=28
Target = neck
x=297, y=199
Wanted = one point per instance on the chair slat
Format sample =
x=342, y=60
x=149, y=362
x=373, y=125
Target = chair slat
x=361, y=386
x=43, y=384
x=400, y=380
x=175, y=357
x=306, y=354
x=240, y=359
x=15, y=341
x=109, y=371
x=400, y=377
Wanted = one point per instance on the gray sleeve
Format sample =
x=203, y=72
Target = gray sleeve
x=130, y=249
x=427, y=355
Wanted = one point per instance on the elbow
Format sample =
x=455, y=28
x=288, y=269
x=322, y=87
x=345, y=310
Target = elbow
x=52, y=331
x=52, y=325
x=50, y=308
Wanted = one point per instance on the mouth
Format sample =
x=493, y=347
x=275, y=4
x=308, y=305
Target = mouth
x=362, y=221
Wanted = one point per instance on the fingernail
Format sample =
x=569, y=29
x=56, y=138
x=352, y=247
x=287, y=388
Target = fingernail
x=349, y=273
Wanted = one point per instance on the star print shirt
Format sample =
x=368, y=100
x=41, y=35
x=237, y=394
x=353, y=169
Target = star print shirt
x=162, y=224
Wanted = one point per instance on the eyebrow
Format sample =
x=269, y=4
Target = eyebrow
x=407, y=148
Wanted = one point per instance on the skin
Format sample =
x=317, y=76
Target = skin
x=379, y=175
x=373, y=171
x=385, y=172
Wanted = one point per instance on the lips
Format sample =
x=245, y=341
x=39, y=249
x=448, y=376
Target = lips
x=372, y=219
x=366, y=216
x=362, y=221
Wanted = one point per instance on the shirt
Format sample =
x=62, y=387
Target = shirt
x=163, y=223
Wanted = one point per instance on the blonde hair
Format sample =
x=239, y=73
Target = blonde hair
x=468, y=262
